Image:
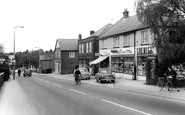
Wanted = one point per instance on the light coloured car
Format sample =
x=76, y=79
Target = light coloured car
x=85, y=73
x=27, y=72
x=105, y=75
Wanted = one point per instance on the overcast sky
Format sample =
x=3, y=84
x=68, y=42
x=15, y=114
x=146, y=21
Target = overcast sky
x=45, y=21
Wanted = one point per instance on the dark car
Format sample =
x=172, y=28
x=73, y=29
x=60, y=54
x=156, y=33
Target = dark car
x=85, y=73
x=105, y=75
x=27, y=72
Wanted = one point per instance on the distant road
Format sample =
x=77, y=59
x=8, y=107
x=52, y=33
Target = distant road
x=52, y=96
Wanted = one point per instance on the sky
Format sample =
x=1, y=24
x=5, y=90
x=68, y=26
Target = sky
x=45, y=21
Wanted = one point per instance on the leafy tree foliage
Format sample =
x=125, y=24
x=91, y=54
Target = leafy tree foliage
x=167, y=21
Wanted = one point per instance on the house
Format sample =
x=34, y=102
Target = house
x=66, y=56
x=89, y=49
x=126, y=46
x=46, y=62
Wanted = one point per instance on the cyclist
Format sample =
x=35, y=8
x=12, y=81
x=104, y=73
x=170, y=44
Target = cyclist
x=77, y=75
x=173, y=74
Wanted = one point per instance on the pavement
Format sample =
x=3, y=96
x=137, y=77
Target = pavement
x=13, y=100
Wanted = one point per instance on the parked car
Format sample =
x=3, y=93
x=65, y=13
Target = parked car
x=27, y=72
x=105, y=75
x=85, y=73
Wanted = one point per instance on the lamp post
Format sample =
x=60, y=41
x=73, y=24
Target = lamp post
x=39, y=57
x=14, y=48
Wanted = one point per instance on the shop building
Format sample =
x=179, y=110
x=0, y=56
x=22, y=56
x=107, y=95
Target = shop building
x=88, y=49
x=128, y=44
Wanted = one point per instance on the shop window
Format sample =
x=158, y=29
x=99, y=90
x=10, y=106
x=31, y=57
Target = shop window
x=128, y=65
x=117, y=64
x=141, y=65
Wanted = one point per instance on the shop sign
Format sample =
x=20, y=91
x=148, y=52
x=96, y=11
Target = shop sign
x=126, y=51
x=105, y=52
x=146, y=50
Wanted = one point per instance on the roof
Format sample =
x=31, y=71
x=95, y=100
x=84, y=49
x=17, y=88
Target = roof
x=124, y=25
x=102, y=30
x=67, y=44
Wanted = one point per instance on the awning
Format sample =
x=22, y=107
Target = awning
x=98, y=60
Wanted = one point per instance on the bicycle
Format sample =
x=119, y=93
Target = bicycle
x=164, y=82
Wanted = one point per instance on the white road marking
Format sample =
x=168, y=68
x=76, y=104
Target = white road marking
x=77, y=91
x=126, y=107
x=57, y=85
x=46, y=81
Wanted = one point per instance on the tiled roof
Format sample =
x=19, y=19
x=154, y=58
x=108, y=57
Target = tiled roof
x=102, y=30
x=124, y=25
x=68, y=44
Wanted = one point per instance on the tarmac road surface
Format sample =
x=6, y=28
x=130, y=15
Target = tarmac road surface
x=52, y=96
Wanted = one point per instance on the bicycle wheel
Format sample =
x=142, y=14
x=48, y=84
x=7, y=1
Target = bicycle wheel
x=168, y=86
x=160, y=85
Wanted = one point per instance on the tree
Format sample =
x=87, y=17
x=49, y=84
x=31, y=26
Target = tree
x=167, y=21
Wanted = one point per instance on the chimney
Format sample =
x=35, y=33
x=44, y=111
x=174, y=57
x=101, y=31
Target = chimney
x=92, y=32
x=79, y=37
x=126, y=13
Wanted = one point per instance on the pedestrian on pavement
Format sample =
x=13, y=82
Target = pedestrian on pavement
x=19, y=72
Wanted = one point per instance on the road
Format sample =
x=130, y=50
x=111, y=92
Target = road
x=52, y=96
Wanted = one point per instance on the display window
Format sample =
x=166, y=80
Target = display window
x=141, y=65
x=128, y=65
x=117, y=64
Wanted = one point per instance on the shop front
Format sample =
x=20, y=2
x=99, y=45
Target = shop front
x=122, y=62
x=143, y=55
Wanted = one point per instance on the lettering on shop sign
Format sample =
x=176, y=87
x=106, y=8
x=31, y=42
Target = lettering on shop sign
x=145, y=50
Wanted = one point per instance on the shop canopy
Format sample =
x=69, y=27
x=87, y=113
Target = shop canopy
x=98, y=60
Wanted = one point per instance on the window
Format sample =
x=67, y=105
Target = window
x=87, y=47
x=59, y=54
x=80, y=48
x=127, y=40
x=145, y=37
x=90, y=47
x=71, y=54
x=104, y=44
x=116, y=42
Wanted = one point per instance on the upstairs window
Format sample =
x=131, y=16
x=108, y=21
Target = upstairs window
x=104, y=43
x=116, y=42
x=145, y=37
x=71, y=54
x=80, y=48
x=87, y=47
x=90, y=47
x=127, y=40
